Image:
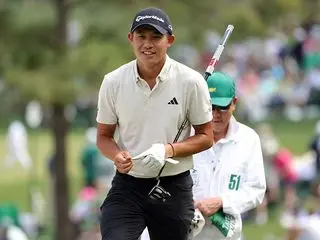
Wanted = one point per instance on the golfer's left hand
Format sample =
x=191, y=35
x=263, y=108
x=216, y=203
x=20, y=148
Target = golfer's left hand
x=209, y=206
x=154, y=157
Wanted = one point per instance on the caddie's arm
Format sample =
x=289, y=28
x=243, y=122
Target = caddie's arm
x=252, y=190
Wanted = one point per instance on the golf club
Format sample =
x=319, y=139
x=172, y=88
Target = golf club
x=158, y=192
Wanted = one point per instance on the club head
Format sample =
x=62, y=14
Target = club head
x=158, y=193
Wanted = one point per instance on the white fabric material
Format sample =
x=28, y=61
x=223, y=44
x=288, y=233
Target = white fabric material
x=15, y=233
x=304, y=166
x=310, y=226
x=17, y=140
x=91, y=135
x=145, y=235
x=232, y=169
x=147, y=116
x=153, y=158
x=197, y=222
x=313, y=78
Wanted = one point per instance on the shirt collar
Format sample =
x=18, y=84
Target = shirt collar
x=232, y=133
x=164, y=73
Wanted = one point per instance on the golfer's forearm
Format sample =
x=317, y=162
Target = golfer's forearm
x=192, y=145
x=108, y=147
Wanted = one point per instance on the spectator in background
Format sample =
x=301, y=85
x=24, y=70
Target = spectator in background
x=10, y=225
x=88, y=158
x=98, y=171
x=84, y=213
x=269, y=147
x=303, y=226
x=9, y=215
x=283, y=161
x=311, y=64
x=17, y=140
x=250, y=103
x=315, y=147
x=313, y=81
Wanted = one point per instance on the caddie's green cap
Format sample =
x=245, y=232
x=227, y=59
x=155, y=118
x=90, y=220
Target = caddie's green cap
x=221, y=88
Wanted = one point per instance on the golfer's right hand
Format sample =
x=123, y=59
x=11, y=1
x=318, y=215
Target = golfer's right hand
x=123, y=162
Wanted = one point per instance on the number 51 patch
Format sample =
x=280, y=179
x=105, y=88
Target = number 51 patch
x=234, y=182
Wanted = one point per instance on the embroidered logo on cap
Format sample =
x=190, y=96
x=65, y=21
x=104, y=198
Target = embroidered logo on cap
x=139, y=18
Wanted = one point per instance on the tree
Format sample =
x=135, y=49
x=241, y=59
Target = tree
x=60, y=129
x=38, y=63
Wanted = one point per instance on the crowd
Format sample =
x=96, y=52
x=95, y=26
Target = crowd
x=277, y=74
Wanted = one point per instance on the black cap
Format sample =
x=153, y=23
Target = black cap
x=154, y=17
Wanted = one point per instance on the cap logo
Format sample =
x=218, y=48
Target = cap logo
x=139, y=18
x=212, y=89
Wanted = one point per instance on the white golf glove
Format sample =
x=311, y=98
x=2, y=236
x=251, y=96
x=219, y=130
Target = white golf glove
x=197, y=223
x=154, y=157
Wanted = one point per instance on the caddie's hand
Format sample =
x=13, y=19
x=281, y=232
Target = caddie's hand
x=123, y=162
x=209, y=206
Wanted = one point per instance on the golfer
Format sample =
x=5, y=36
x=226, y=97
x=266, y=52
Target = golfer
x=147, y=100
x=229, y=177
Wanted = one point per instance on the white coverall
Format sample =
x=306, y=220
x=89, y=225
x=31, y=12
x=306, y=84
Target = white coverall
x=17, y=140
x=233, y=170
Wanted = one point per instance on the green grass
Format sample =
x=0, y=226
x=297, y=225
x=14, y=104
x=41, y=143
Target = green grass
x=292, y=135
x=14, y=181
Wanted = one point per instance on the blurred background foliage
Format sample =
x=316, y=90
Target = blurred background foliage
x=29, y=62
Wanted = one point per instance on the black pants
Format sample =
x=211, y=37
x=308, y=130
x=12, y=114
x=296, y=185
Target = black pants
x=127, y=210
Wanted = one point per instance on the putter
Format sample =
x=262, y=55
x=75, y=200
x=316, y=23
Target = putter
x=158, y=192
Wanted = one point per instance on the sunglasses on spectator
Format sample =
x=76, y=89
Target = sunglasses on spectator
x=220, y=108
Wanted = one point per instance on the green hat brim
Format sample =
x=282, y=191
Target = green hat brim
x=222, y=102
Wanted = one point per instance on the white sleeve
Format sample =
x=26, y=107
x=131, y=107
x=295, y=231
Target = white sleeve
x=200, y=104
x=251, y=192
x=106, y=103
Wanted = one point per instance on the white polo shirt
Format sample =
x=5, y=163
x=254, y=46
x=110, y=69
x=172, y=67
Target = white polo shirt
x=145, y=116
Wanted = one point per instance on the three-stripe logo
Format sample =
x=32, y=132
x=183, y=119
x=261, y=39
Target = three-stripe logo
x=173, y=101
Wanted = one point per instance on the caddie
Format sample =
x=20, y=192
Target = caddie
x=229, y=177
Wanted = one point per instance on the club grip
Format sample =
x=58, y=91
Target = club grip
x=226, y=35
x=216, y=56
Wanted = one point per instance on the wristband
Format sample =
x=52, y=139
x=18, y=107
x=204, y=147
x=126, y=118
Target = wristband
x=173, y=153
